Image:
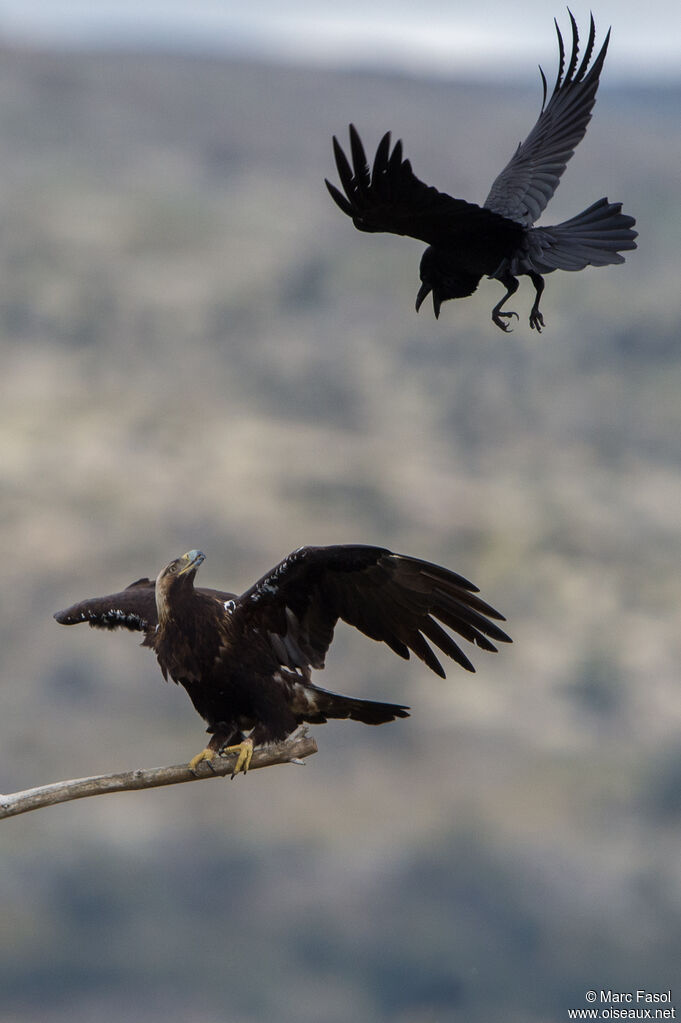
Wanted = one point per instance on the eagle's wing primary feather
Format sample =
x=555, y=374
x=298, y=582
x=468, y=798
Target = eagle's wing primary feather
x=394, y=599
x=390, y=198
x=527, y=183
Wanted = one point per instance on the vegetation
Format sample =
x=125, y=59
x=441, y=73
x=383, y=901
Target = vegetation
x=200, y=351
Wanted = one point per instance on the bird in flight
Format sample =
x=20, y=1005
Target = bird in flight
x=497, y=240
x=245, y=661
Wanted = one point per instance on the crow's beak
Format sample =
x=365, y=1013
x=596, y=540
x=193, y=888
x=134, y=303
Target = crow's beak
x=424, y=291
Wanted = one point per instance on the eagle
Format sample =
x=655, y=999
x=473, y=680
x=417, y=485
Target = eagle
x=245, y=661
x=466, y=241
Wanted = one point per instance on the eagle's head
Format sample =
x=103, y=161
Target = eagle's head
x=443, y=279
x=175, y=581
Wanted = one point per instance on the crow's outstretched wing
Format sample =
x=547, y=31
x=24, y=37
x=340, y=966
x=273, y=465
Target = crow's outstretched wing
x=525, y=186
x=391, y=598
x=390, y=198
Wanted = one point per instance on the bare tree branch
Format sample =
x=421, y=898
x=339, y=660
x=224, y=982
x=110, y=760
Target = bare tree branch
x=292, y=750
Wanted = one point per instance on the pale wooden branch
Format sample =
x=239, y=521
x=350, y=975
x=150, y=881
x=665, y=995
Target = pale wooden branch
x=292, y=750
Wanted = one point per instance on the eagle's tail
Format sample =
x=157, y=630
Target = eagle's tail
x=315, y=705
x=595, y=237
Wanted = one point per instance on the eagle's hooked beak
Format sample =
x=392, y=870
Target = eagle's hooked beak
x=192, y=560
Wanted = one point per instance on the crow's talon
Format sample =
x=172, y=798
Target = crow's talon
x=499, y=322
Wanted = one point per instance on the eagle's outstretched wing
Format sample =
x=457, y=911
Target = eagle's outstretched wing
x=134, y=608
x=391, y=598
x=390, y=198
x=525, y=186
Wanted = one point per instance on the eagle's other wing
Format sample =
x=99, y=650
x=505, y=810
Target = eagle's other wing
x=390, y=198
x=134, y=608
x=391, y=598
x=525, y=186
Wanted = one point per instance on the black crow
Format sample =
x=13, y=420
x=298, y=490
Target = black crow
x=497, y=240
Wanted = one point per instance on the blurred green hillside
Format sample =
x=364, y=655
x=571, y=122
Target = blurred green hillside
x=199, y=350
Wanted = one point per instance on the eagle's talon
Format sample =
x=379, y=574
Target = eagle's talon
x=245, y=755
x=205, y=756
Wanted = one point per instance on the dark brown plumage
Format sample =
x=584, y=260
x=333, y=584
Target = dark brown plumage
x=246, y=660
x=466, y=241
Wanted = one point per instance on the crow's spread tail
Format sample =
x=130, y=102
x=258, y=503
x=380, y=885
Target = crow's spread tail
x=596, y=237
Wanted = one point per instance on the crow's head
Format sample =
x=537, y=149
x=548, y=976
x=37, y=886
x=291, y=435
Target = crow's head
x=441, y=276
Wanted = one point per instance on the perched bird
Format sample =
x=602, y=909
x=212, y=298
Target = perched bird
x=497, y=239
x=245, y=660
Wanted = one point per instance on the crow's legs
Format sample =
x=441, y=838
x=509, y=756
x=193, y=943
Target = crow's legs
x=511, y=284
x=536, y=318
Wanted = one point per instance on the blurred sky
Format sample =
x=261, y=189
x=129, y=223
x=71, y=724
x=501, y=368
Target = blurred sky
x=454, y=38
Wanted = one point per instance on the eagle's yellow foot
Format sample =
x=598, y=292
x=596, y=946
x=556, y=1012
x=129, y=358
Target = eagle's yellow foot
x=205, y=754
x=245, y=751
